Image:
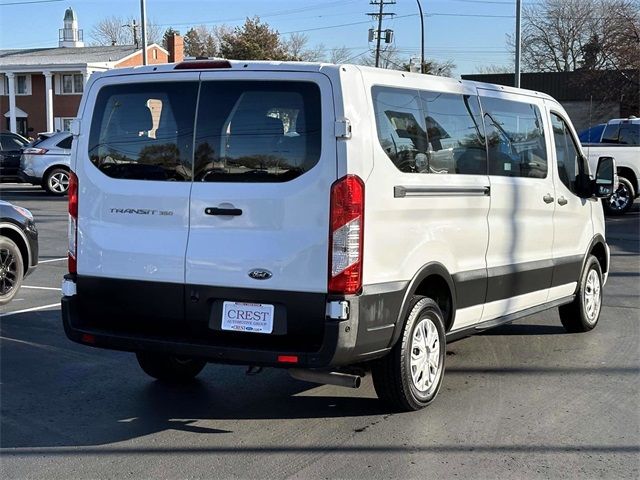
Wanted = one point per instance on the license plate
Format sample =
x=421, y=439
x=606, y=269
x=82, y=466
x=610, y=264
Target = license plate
x=247, y=317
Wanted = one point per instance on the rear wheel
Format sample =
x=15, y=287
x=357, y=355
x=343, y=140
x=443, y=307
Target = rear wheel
x=583, y=313
x=11, y=270
x=621, y=201
x=409, y=377
x=56, y=181
x=170, y=368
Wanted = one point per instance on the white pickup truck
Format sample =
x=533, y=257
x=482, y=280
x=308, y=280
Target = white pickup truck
x=621, y=140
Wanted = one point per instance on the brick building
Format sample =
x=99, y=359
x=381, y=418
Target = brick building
x=41, y=88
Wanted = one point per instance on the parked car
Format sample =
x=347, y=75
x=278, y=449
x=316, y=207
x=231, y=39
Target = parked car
x=18, y=248
x=592, y=134
x=11, y=145
x=620, y=139
x=46, y=163
x=327, y=219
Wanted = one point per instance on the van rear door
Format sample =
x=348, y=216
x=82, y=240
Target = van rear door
x=265, y=159
x=134, y=173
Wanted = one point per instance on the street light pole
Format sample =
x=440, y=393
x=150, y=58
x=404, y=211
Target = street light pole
x=518, y=42
x=421, y=37
x=143, y=15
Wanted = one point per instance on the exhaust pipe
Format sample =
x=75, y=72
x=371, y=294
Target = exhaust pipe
x=329, y=378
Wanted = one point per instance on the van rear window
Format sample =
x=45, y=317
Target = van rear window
x=257, y=131
x=144, y=131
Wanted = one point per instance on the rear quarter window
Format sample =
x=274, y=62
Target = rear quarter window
x=144, y=131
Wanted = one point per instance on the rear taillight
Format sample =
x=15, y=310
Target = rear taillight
x=35, y=151
x=73, y=222
x=345, y=235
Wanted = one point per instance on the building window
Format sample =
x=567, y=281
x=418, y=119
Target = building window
x=155, y=54
x=72, y=83
x=66, y=124
x=22, y=84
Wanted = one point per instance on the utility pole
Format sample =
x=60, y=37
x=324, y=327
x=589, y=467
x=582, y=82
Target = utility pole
x=143, y=20
x=134, y=28
x=518, y=42
x=421, y=37
x=380, y=14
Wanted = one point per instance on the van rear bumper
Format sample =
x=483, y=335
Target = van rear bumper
x=342, y=342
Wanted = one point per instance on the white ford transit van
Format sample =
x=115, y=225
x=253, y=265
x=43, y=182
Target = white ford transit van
x=327, y=219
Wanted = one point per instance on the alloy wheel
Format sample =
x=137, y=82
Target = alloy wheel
x=59, y=182
x=620, y=198
x=8, y=271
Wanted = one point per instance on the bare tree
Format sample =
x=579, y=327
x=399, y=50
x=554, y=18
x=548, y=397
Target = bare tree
x=495, y=69
x=565, y=35
x=339, y=54
x=439, y=68
x=389, y=58
x=298, y=49
x=111, y=31
x=116, y=30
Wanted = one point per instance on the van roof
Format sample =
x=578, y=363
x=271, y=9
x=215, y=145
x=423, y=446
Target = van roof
x=261, y=65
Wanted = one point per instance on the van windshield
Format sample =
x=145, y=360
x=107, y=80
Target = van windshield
x=257, y=131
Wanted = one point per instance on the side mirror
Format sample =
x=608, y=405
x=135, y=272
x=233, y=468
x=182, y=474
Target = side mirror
x=603, y=186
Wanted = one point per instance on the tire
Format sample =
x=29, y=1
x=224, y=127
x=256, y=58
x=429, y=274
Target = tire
x=11, y=269
x=56, y=182
x=398, y=378
x=621, y=201
x=583, y=313
x=169, y=368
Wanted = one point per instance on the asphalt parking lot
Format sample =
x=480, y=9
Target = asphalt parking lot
x=525, y=400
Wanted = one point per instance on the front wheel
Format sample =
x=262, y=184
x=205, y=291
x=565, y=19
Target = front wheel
x=409, y=377
x=57, y=181
x=621, y=201
x=170, y=368
x=583, y=313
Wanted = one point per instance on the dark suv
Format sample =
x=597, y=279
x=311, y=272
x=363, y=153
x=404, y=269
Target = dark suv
x=11, y=145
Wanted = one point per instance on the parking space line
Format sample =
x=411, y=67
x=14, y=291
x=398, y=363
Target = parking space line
x=34, y=309
x=53, y=260
x=42, y=288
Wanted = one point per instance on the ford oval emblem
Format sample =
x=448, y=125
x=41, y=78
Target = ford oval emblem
x=260, y=274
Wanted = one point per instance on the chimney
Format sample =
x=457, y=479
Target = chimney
x=176, y=48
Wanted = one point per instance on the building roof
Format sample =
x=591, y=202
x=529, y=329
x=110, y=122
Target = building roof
x=65, y=55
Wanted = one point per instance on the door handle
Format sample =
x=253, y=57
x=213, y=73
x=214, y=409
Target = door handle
x=547, y=198
x=223, y=211
x=562, y=201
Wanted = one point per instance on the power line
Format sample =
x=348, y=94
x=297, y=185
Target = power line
x=291, y=11
x=27, y=2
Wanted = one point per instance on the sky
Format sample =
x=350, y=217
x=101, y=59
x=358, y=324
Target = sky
x=471, y=33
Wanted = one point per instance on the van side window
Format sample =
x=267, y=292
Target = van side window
x=430, y=132
x=144, y=131
x=571, y=165
x=455, y=133
x=257, y=131
x=401, y=127
x=515, y=137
